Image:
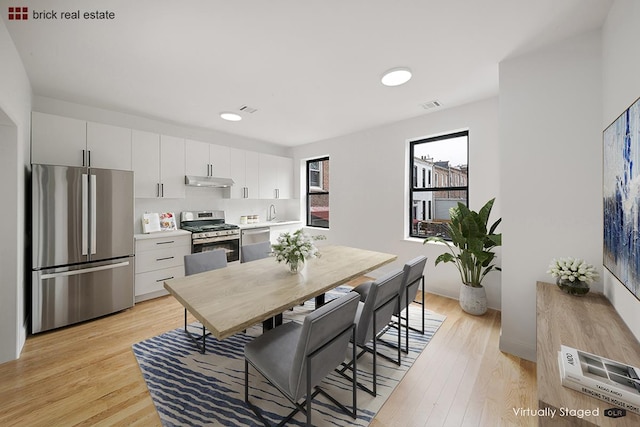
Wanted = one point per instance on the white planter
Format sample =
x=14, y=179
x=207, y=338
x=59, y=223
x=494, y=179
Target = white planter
x=473, y=300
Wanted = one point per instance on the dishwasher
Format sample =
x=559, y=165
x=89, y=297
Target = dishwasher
x=249, y=236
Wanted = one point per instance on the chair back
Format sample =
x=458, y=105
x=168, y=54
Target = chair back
x=204, y=261
x=255, y=251
x=381, y=302
x=324, y=340
x=412, y=273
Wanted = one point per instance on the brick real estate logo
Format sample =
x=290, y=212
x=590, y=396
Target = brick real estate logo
x=17, y=13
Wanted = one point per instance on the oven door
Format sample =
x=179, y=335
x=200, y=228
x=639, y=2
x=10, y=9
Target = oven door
x=230, y=245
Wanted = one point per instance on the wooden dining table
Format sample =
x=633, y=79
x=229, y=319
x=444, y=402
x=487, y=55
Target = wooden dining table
x=231, y=299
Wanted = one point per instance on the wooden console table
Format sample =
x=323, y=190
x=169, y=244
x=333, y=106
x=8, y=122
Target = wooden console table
x=588, y=323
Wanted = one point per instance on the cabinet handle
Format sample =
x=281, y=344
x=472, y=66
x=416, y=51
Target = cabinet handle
x=89, y=158
x=210, y=169
x=164, y=259
x=165, y=243
x=277, y=193
x=162, y=187
x=158, y=190
x=246, y=192
x=162, y=280
x=84, y=158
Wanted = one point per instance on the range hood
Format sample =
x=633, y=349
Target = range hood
x=207, y=181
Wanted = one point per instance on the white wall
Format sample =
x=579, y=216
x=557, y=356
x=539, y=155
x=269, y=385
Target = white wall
x=550, y=174
x=621, y=87
x=15, y=106
x=369, y=193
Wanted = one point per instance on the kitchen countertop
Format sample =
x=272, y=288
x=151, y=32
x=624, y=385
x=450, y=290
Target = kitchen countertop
x=161, y=234
x=268, y=224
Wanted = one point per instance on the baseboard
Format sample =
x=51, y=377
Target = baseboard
x=151, y=295
x=518, y=348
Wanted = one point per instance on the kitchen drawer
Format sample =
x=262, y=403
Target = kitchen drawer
x=153, y=281
x=163, y=243
x=161, y=258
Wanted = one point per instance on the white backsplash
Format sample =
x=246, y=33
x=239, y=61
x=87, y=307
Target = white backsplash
x=198, y=199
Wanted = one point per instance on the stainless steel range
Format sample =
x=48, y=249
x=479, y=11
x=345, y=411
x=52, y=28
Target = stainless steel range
x=209, y=231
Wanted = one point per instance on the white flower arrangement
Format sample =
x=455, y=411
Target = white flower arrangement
x=572, y=269
x=294, y=248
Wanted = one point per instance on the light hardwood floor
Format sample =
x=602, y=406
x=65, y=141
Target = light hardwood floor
x=87, y=375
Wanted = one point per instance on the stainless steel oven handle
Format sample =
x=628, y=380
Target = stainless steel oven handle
x=216, y=240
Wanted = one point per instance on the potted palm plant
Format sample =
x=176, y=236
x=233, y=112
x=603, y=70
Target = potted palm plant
x=471, y=250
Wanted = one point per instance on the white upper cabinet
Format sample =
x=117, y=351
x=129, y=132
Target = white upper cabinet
x=64, y=141
x=219, y=158
x=276, y=177
x=285, y=178
x=197, y=158
x=268, y=176
x=57, y=140
x=146, y=163
x=244, y=171
x=158, y=163
x=204, y=159
x=172, y=167
x=109, y=146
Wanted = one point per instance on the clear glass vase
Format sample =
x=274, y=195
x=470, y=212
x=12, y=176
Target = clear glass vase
x=294, y=266
x=573, y=288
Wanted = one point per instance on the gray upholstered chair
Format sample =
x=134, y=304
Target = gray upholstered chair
x=295, y=358
x=199, y=263
x=412, y=280
x=255, y=251
x=204, y=261
x=372, y=318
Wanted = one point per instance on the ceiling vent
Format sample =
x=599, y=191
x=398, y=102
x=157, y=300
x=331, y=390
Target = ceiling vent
x=431, y=104
x=247, y=109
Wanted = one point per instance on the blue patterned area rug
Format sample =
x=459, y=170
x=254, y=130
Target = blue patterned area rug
x=193, y=389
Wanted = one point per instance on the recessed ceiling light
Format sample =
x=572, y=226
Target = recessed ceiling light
x=396, y=76
x=232, y=117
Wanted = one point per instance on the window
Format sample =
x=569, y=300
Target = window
x=318, y=192
x=443, y=160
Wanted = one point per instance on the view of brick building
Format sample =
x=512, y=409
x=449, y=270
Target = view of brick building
x=430, y=209
x=318, y=192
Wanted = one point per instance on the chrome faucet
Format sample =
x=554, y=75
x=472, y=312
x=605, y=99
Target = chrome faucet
x=271, y=216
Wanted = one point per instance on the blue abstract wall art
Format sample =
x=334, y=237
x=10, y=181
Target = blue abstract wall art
x=621, y=192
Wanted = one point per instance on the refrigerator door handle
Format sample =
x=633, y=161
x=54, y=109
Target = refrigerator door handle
x=84, y=271
x=85, y=214
x=94, y=233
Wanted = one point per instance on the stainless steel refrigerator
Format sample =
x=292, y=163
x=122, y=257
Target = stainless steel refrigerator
x=83, y=247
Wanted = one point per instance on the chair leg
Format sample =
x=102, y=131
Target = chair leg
x=375, y=361
x=355, y=371
x=204, y=342
x=399, y=346
x=406, y=326
x=309, y=396
x=246, y=380
x=422, y=305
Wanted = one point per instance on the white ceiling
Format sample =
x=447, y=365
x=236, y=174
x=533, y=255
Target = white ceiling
x=311, y=68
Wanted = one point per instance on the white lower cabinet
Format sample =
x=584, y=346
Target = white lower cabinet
x=159, y=258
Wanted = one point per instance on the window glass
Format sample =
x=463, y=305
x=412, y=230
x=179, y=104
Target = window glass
x=443, y=160
x=318, y=192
